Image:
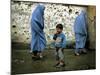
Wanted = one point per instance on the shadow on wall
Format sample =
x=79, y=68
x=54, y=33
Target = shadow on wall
x=24, y=46
x=91, y=43
x=70, y=45
x=20, y=46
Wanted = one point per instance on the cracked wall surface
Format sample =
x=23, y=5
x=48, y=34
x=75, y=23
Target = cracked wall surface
x=53, y=14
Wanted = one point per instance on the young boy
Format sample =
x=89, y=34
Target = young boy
x=60, y=43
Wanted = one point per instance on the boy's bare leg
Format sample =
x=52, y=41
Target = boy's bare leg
x=61, y=56
x=57, y=57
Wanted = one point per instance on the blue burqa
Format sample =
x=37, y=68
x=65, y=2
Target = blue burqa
x=38, y=41
x=80, y=29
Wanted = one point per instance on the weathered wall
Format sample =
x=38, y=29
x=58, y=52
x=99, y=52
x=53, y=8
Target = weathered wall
x=54, y=14
x=92, y=26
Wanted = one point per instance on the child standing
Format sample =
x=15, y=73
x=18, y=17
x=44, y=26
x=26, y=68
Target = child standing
x=60, y=43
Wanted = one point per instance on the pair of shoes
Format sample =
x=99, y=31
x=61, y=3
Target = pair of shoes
x=60, y=65
x=41, y=56
x=35, y=57
x=77, y=54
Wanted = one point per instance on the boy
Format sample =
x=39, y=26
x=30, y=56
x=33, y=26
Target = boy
x=60, y=43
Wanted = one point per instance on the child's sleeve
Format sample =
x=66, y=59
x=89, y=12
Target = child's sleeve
x=64, y=42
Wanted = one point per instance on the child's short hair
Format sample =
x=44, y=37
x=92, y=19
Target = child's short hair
x=60, y=26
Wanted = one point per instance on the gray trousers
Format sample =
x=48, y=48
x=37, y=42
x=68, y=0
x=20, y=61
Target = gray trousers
x=59, y=53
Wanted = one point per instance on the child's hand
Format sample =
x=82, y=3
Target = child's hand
x=55, y=32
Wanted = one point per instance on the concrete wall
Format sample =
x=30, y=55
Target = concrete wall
x=92, y=26
x=54, y=14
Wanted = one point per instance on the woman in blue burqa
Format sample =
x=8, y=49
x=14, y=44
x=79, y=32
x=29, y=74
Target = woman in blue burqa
x=38, y=41
x=80, y=29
